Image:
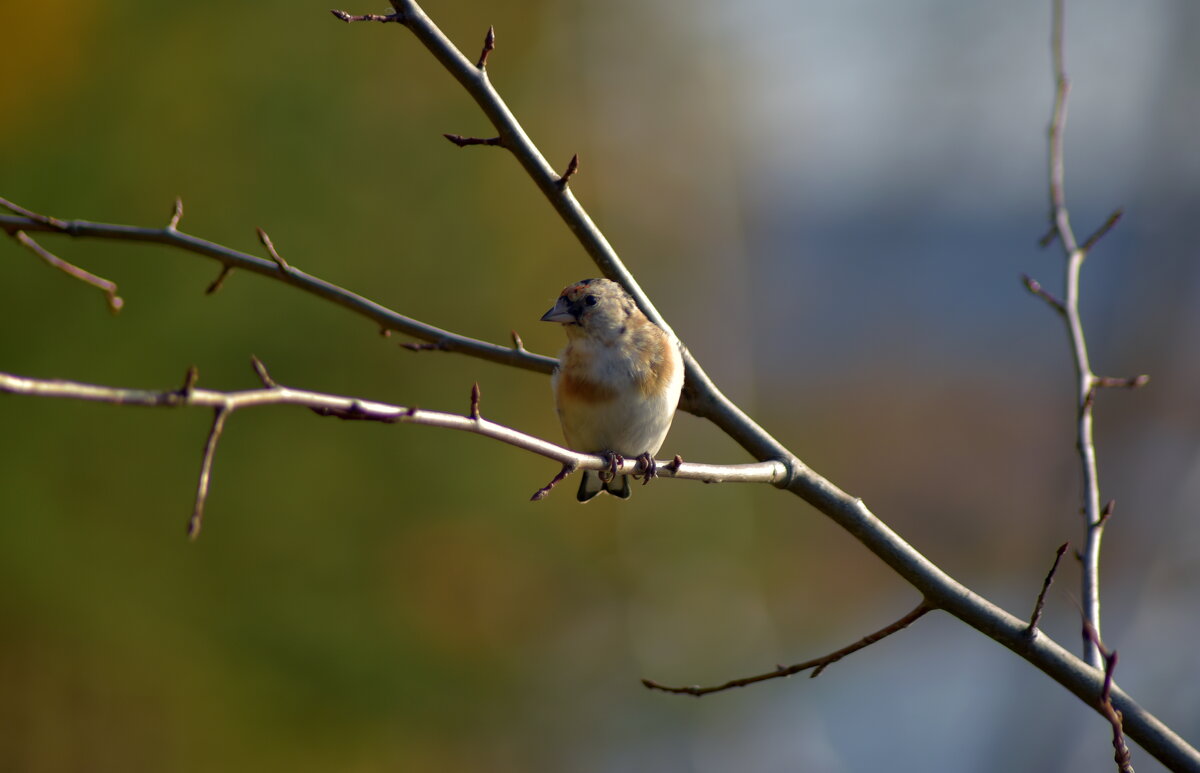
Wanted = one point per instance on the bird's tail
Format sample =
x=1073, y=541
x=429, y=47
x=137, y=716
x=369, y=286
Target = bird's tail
x=592, y=484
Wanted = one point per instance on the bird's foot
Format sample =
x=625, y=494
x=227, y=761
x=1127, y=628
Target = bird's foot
x=614, y=461
x=647, y=466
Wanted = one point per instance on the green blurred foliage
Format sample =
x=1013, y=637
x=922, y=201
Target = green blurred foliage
x=362, y=597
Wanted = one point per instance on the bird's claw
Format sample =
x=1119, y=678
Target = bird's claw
x=648, y=467
x=614, y=461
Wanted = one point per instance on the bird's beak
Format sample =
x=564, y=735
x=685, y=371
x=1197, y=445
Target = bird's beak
x=560, y=313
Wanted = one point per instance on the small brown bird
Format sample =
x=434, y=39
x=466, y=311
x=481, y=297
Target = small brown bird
x=617, y=383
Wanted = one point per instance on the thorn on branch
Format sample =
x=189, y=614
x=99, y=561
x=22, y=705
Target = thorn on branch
x=567, y=469
x=219, y=282
x=1036, y=617
x=115, y=302
x=518, y=344
x=1103, y=230
x=176, y=214
x=475, y=401
x=818, y=664
x=261, y=371
x=379, y=17
x=275, y=256
x=1035, y=287
x=210, y=451
x=572, y=168
x=1107, y=512
x=463, y=142
x=189, y=381
x=489, y=45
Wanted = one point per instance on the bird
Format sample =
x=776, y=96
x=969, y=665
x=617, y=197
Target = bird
x=617, y=383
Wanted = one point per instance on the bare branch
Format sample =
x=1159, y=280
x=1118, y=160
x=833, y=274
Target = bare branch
x=817, y=664
x=103, y=285
x=1036, y=617
x=351, y=407
x=1121, y=753
x=219, y=282
x=1086, y=379
x=567, y=469
x=229, y=259
x=1035, y=287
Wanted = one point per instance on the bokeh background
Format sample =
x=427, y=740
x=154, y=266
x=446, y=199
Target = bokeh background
x=832, y=201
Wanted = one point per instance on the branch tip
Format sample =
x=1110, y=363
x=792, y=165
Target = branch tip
x=220, y=413
x=176, y=214
x=1036, y=617
x=261, y=371
x=518, y=344
x=189, y=381
x=572, y=168
x=489, y=45
x=540, y=494
x=1103, y=230
x=475, y=401
x=109, y=288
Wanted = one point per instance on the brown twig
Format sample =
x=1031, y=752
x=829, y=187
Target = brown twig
x=189, y=381
x=210, y=451
x=567, y=469
x=817, y=664
x=489, y=45
x=475, y=401
x=219, y=282
x=1035, y=287
x=1102, y=231
x=70, y=269
x=176, y=214
x=275, y=256
x=1036, y=617
x=1121, y=753
x=379, y=17
x=463, y=142
x=572, y=168
x=1110, y=382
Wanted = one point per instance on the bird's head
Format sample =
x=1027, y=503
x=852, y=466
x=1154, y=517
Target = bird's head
x=597, y=307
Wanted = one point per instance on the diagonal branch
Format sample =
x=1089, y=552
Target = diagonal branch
x=108, y=287
x=230, y=259
x=817, y=665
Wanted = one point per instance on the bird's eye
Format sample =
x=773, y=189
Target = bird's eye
x=590, y=300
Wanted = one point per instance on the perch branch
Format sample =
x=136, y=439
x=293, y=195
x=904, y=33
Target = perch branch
x=816, y=664
x=325, y=404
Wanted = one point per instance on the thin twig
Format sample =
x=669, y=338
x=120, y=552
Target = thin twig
x=176, y=214
x=1036, y=617
x=105, y=286
x=1121, y=753
x=489, y=45
x=567, y=469
x=220, y=414
x=275, y=256
x=219, y=282
x=475, y=401
x=817, y=664
x=463, y=142
x=572, y=168
x=1086, y=380
x=379, y=17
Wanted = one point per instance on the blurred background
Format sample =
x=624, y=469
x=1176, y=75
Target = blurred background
x=832, y=202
